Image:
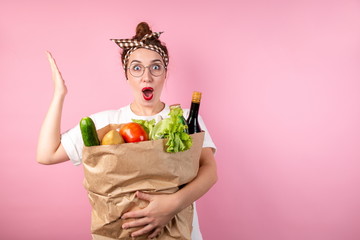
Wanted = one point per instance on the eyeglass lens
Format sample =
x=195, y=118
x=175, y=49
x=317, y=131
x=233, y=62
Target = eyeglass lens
x=138, y=70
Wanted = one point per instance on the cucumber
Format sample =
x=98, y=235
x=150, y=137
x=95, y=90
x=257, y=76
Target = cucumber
x=88, y=132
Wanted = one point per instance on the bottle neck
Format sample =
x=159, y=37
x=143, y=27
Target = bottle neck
x=194, y=109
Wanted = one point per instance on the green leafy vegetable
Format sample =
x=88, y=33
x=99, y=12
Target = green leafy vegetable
x=174, y=130
x=171, y=128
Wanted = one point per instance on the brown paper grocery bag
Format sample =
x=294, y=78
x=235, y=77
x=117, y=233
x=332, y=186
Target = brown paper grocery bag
x=113, y=173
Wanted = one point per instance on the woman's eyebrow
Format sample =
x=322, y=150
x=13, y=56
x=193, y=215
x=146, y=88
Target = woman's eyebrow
x=137, y=61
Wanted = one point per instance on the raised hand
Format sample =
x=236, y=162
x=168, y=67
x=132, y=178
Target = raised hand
x=60, y=88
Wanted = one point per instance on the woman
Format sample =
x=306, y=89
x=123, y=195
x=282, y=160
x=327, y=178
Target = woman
x=145, y=61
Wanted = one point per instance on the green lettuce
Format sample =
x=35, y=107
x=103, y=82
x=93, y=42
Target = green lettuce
x=173, y=128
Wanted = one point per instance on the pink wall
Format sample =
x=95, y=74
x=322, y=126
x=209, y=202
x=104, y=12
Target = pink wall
x=281, y=98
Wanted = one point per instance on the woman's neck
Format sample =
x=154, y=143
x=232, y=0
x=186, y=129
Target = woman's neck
x=141, y=110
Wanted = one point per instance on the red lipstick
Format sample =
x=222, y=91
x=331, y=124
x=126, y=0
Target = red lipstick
x=148, y=93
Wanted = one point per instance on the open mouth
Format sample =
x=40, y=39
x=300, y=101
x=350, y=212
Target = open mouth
x=148, y=93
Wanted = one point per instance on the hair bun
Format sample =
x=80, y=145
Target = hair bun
x=141, y=30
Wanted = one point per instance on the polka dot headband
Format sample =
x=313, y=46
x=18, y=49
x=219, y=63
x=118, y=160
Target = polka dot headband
x=132, y=45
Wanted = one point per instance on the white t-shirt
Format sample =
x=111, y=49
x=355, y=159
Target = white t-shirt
x=73, y=143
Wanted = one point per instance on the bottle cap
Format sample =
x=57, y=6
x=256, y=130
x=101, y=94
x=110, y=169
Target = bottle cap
x=196, y=97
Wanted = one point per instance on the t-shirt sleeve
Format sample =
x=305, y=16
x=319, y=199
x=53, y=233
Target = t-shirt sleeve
x=73, y=144
x=208, y=142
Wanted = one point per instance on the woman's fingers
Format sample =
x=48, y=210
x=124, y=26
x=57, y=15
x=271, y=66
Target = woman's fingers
x=138, y=213
x=155, y=233
x=144, y=196
x=134, y=214
x=148, y=228
x=52, y=62
x=60, y=87
x=151, y=218
x=137, y=223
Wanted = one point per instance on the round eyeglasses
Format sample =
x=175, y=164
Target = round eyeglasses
x=137, y=70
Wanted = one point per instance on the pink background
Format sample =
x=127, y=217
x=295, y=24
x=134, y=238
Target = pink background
x=281, y=98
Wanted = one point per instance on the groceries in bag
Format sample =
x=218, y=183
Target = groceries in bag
x=172, y=128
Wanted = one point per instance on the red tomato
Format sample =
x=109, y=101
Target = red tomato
x=133, y=132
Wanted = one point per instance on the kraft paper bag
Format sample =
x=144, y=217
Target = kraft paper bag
x=113, y=173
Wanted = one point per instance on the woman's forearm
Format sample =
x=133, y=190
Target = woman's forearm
x=206, y=178
x=49, y=138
